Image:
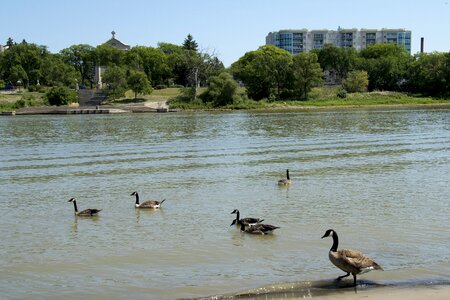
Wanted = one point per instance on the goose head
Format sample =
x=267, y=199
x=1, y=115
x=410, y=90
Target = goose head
x=133, y=194
x=235, y=211
x=71, y=200
x=329, y=232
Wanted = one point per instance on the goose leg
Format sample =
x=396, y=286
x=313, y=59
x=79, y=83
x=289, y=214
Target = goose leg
x=340, y=277
x=354, y=279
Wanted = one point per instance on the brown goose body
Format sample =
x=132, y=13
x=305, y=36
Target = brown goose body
x=245, y=221
x=89, y=212
x=150, y=204
x=285, y=181
x=258, y=228
x=350, y=261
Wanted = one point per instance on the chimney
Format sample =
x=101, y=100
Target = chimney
x=421, y=44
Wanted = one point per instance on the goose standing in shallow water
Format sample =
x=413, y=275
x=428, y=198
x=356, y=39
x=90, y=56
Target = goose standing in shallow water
x=90, y=212
x=258, y=228
x=350, y=261
x=285, y=181
x=245, y=221
x=147, y=204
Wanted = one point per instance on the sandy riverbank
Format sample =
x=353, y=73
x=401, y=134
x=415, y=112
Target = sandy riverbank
x=397, y=293
x=326, y=290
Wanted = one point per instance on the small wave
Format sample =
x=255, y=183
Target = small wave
x=321, y=288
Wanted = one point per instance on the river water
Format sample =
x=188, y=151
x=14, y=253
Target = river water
x=380, y=178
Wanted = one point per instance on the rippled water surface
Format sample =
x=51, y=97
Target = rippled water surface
x=379, y=178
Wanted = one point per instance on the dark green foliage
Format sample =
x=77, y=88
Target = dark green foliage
x=266, y=72
x=342, y=93
x=139, y=83
x=116, y=82
x=61, y=95
x=338, y=61
x=222, y=90
x=82, y=57
x=190, y=43
x=430, y=74
x=307, y=74
x=387, y=66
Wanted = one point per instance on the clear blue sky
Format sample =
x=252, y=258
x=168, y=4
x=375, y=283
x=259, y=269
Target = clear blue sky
x=229, y=28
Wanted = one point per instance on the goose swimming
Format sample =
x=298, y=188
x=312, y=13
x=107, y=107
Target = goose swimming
x=245, y=221
x=90, y=212
x=258, y=228
x=350, y=261
x=146, y=204
x=285, y=181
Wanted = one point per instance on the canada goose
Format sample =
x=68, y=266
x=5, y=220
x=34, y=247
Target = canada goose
x=285, y=181
x=349, y=261
x=258, y=228
x=147, y=204
x=245, y=221
x=90, y=212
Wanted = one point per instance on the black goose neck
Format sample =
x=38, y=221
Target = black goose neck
x=137, y=198
x=287, y=175
x=335, y=242
x=237, y=215
x=75, y=206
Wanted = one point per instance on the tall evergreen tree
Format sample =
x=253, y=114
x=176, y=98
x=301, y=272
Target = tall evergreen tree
x=190, y=43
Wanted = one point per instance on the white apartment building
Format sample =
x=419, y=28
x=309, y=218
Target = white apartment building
x=303, y=40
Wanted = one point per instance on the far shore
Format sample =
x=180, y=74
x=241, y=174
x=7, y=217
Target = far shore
x=142, y=108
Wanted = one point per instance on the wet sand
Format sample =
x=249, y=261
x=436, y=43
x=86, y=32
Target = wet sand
x=387, y=293
x=324, y=290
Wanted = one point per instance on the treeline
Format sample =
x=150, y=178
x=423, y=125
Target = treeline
x=273, y=73
x=140, y=68
x=266, y=73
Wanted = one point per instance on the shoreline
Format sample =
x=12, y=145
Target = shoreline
x=342, y=291
x=107, y=109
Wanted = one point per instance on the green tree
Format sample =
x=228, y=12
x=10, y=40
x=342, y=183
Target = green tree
x=430, y=74
x=82, y=57
x=28, y=56
x=54, y=71
x=115, y=80
x=307, y=73
x=337, y=61
x=266, y=72
x=222, y=90
x=139, y=83
x=10, y=42
x=106, y=55
x=152, y=61
x=386, y=65
x=189, y=43
x=18, y=76
x=356, y=81
x=61, y=95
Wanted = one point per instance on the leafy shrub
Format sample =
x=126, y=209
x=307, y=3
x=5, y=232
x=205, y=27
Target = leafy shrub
x=161, y=87
x=222, y=90
x=36, y=88
x=342, y=94
x=20, y=103
x=61, y=95
x=356, y=81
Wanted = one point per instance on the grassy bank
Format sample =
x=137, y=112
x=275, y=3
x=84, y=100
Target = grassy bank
x=9, y=102
x=323, y=97
x=319, y=97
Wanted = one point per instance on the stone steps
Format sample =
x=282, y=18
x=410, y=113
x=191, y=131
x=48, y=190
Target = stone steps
x=87, y=97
